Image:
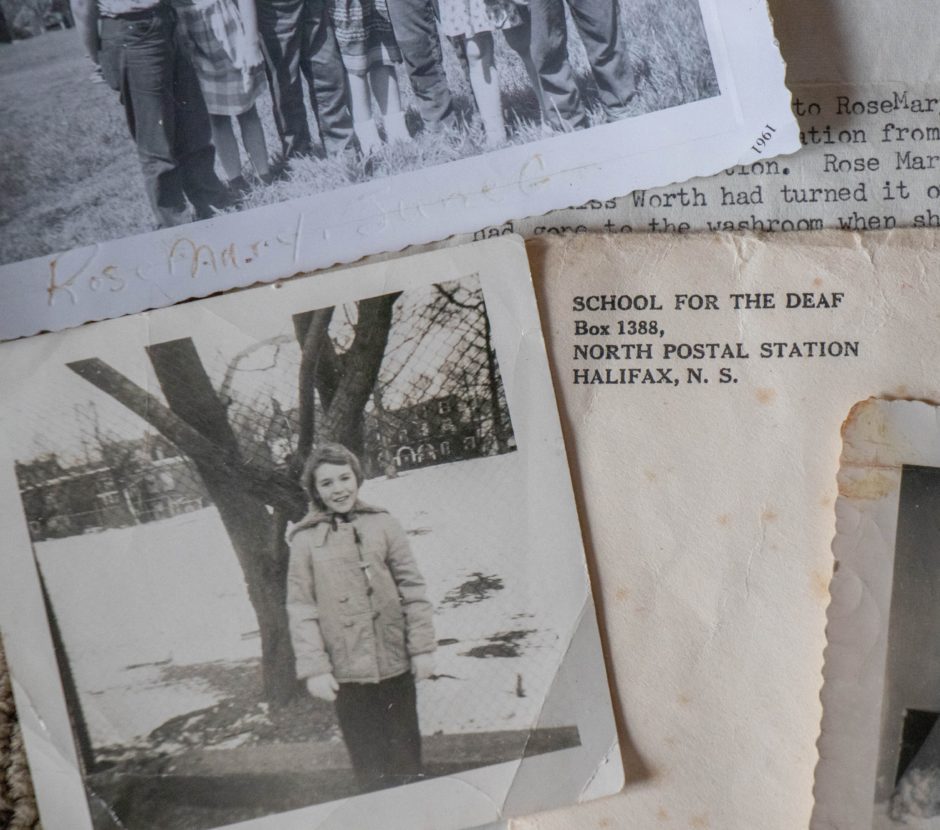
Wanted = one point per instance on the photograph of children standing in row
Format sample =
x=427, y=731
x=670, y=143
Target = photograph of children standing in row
x=235, y=104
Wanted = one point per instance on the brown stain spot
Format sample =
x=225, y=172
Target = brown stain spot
x=819, y=582
x=901, y=391
x=817, y=283
x=622, y=595
x=865, y=417
x=870, y=487
x=699, y=822
x=662, y=814
x=769, y=515
x=684, y=699
x=604, y=822
x=724, y=520
x=650, y=475
x=765, y=395
x=851, y=418
x=825, y=501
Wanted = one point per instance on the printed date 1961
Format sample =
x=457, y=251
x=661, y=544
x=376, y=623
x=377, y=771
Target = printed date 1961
x=763, y=139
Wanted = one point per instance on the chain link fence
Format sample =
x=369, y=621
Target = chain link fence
x=438, y=398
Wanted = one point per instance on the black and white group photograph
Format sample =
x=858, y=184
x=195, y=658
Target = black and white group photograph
x=879, y=742
x=293, y=560
x=126, y=116
x=907, y=784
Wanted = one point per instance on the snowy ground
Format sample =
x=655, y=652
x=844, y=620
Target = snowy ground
x=135, y=602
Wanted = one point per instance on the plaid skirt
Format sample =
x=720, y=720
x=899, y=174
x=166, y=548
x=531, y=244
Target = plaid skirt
x=364, y=33
x=208, y=32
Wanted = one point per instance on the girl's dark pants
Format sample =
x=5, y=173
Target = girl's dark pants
x=380, y=726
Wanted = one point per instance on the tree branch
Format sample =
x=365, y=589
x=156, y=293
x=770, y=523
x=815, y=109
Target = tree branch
x=264, y=482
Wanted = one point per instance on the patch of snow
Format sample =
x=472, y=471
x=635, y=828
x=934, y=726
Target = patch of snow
x=131, y=601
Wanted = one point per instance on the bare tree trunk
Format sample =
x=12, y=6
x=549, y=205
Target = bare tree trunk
x=232, y=483
x=345, y=418
x=260, y=479
x=343, y=382
x=251, y=528
x=319, y=374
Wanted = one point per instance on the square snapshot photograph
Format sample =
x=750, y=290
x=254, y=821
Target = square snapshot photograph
x=157, y=150
x=304, y=555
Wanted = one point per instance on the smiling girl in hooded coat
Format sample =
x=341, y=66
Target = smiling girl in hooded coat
x=360, y=622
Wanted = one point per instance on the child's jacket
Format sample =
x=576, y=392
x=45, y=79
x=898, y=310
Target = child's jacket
x=355, y=598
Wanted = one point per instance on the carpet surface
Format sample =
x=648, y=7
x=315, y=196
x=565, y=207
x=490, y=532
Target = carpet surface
x=17, y=800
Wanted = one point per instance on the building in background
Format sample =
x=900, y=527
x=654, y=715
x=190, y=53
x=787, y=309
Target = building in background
x=124, y=482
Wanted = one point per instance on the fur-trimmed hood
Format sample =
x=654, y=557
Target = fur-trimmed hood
x=316, y=517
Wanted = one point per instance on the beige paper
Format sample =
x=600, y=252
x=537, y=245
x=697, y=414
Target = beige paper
x=708, y=506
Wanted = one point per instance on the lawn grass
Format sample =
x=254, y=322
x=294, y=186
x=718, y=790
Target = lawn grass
x=69, y=170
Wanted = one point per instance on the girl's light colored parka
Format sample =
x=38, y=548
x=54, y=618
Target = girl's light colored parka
x=356, y=600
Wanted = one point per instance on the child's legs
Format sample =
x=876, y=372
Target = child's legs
x=605, y=42
x=519, y=39
x=384, y=83
x=485, y=84
x=226, y=147
x=322, y=66
x=416, y=32
x=549, y=49
x=379, y=722
x=361, y=719
x=253, y=137
x=360, y=102
x=280, y=26
x=402, y=760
